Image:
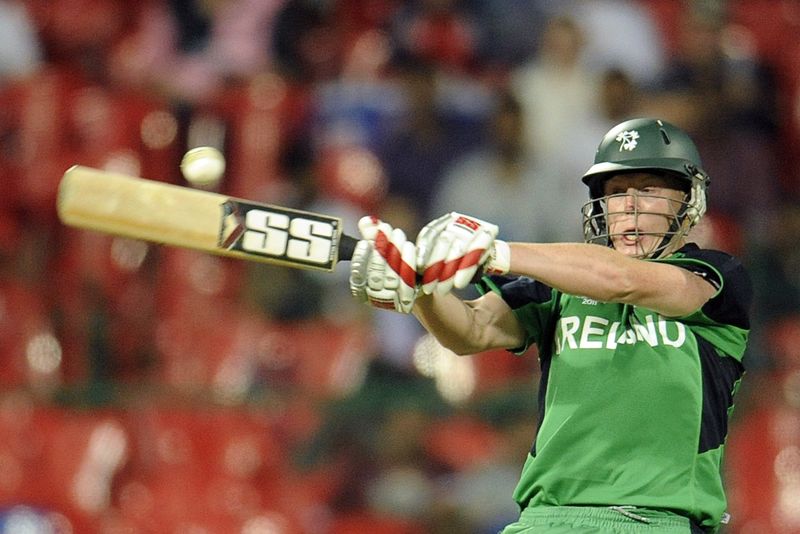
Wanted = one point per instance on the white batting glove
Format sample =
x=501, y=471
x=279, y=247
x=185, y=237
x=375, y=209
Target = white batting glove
x=452, y=248
x=383, y=267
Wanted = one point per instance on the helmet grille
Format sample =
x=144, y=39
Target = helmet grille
x=680, y=219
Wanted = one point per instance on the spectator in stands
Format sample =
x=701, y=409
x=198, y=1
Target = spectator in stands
x=641, y=54
x=719, y=90
x=558, y=94
x=440, y=32
x=303, y=44
x=20, y=49
x=504, y=182
x=431, y=134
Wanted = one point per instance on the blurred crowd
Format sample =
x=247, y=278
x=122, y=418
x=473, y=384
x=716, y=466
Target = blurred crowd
x=146, y=389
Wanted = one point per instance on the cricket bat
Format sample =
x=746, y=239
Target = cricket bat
x=173, y=215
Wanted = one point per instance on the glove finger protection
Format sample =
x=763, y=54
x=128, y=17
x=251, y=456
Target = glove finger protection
x=370, y=226
x=463, y=261
x=451, y=249
x=383, y=268
x=358, y=269
x=427, y=239
x=439, y=252
x=455, y=253
x=481, y=249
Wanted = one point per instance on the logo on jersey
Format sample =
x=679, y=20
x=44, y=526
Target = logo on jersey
x=628, y=140
x=592, y=332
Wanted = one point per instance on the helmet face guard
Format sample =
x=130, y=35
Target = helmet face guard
x=646, y=146
x=682, y=217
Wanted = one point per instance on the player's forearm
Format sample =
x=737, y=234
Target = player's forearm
x=576, y=268
x=468, y=327
x=606, y=275
x=448, y=319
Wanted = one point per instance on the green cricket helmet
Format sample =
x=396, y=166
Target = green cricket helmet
x=648, y=146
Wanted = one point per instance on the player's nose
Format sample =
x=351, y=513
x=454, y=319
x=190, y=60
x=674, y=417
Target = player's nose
x=631, y=198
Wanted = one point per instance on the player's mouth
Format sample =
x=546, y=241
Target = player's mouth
x=631, y=236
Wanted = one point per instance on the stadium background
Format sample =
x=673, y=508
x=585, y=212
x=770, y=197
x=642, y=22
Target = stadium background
x=156, y=390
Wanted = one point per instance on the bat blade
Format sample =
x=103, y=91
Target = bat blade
x=173, y=215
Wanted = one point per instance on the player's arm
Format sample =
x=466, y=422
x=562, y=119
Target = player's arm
x=451, y=249
x=382, y=275
x=606, y=275
x=471, y=326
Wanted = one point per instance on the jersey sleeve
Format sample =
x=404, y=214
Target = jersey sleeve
x=725, y=318
x=533, y=303
x=732, y=301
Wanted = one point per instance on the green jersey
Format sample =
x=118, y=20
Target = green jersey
x=634, y=406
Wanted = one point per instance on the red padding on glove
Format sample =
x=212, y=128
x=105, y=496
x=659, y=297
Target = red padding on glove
x=445, y=270
x=394, y=259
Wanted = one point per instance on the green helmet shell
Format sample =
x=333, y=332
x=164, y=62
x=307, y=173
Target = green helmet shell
x=644, y=144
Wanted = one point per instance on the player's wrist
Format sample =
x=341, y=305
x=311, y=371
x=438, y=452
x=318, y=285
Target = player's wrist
x=499, y=260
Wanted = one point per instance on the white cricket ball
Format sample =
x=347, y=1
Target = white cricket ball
x=203, y=166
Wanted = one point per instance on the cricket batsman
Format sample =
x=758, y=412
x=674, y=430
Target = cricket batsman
x=640, y=336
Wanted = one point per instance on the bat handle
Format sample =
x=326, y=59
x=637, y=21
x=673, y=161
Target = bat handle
x=347, y=245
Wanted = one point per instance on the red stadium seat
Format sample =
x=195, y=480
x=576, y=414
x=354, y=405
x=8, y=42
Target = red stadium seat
x=359, y=523
x=762, y=459
x=67, y=461
x=499, y=367
x=462, y=442
x=29, y=351
x=292, y=352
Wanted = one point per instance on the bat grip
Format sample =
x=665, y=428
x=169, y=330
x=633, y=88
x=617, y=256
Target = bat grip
x=347, y=245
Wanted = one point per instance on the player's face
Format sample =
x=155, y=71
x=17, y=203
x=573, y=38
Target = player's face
x=640, y=208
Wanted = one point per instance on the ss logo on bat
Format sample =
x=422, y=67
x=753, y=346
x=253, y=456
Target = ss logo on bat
x=302, y=239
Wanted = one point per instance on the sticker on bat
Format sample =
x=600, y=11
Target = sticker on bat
x=304, y=239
